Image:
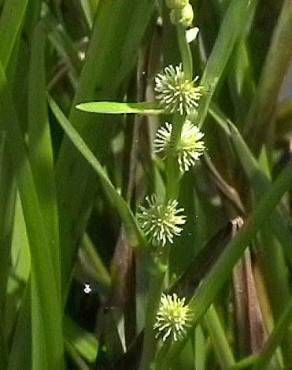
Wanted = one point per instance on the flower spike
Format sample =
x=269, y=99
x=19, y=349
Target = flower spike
x=189, y=149
x=173, y=318
x=175, y=93
x=161, y=222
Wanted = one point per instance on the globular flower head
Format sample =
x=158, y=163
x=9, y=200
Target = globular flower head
x=175, y=93
x=173, y=318
x=161, y=222
x=189, y=148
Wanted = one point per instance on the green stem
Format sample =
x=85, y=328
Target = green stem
x=275, y=338
x=244, y=363
x=172, y=191
x=157, y=274
x=200, y=349
x=185, y=52
x=172, y=168
x=220, y=342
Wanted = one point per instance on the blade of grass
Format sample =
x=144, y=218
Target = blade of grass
x=214, y=281
x=40, y=146
x=246, y=362
x=275, y=338
x=7, y=202
x=83, y=342
x=241, y=82
x=277, y=62
x=111, y=56
x=133, y=231
x=119, y=108
x=237, y=18
x=18, y=357
x=76, y=358
x=273, y=259
x=19, y=270
x=63, y=44
x=200, y=349
x=218, y=337
x=259, y=181
x=46, y=309
x=11, y=21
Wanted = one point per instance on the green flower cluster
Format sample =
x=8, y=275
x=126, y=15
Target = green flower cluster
x=181, y=12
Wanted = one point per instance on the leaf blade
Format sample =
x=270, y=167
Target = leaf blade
x=108, y=107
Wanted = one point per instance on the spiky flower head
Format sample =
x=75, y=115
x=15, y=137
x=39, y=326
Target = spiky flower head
x=173, y=318
x=189, y=148
x=161, y=222
x=175, y=93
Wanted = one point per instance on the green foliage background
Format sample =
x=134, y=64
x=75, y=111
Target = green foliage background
x=70, y=183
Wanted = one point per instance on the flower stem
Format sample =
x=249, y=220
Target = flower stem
x=157, y=274
x=185, y=52
x=172, y=167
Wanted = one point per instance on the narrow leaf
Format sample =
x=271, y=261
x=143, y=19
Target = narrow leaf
x=133, y=232
x=45, y=306
x=10, y=25
x=108, y=107
x=235, y=19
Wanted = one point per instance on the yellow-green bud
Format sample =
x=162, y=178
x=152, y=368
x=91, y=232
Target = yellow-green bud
x=176, y=4
x=182, y=16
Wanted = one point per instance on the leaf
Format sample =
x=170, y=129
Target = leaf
x=40, y=146
x=235, y=19
x=108, y=107
x=111, y=56
x=11, y=21
x=275, y=338
x=84, y=342
x=259, y=181
x=46, y=309
x=133, y=231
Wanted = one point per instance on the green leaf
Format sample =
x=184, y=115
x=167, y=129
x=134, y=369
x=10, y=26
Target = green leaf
x=20, y=269
x=46, y=309
x=40, y=146
x=275, y=337
x=260, y=116
x=237, y=18
x=133, y=232
x=11, y=22
x=108, y=107
x=259, y=181
x=84, y=343
x=111, y=56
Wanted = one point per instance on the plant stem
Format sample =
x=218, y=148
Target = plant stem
x=244, y=363
x=221, y=345
x=172, y=168
x=172, y=191
x=157, y=274
x=275, y=338
x=185, y=52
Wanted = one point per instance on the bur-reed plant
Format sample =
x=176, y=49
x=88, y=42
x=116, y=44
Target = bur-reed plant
x=145, y=184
